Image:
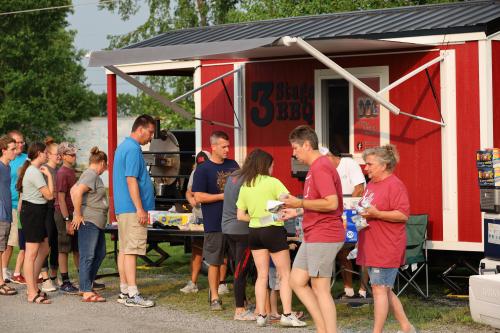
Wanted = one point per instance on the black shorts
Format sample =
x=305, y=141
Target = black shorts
x=271, y=238
x=33, y=221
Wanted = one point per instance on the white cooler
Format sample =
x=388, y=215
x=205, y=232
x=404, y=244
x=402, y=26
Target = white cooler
x=484, y=299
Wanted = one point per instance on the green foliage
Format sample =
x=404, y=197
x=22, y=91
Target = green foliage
x=42, y=85
x=254, y=10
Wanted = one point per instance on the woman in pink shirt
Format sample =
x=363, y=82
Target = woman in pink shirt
x=382, y=244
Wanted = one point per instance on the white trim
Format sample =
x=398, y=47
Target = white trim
x=240, y=131
x=321, y=125
x=157, y=66
x=331, y=57
x=449, y=147
x=455, y=246
x=495, y=36
x=440, y=39
x=197, y=108
x=485, y=94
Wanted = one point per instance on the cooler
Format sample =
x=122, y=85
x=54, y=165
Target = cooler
x=489, y=266
x=484, y=299
x=492, y=236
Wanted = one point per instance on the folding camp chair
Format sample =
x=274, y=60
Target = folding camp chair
x=416, y=255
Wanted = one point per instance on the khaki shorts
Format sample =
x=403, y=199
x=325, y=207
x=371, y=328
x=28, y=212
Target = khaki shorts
x=14, y=234
x=4, y=234
x=132, y=235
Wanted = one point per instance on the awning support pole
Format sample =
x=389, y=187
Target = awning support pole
x=162, y=99
x=423, y=118
x=178, y=98
x=411, y=74
x=288, y=41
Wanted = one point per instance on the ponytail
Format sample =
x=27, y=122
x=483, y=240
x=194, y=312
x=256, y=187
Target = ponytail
x=33, y=151
x=22, y=171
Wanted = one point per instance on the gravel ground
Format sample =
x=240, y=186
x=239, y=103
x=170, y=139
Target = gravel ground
x=68, y=314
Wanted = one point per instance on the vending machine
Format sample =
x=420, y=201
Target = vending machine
x=484, y=289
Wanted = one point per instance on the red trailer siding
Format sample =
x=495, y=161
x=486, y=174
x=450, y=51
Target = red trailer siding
x=279, y=95
x=495, y=45
x=215, y=104
x=468, y=141
x=419, y=142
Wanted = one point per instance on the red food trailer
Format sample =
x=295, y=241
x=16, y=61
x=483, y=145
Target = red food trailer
x=425, y=78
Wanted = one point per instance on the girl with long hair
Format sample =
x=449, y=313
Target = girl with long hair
x=267, y=235
x=35, y=192
x=53, y=162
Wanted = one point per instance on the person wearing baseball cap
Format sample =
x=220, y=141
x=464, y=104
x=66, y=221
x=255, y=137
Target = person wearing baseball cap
x=67, y=237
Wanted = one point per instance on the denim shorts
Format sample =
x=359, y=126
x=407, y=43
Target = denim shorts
x=382, y=276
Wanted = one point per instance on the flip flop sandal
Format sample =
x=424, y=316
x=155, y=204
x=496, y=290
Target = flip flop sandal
x=94, y=299
x=39, y=299
x=42, y=293
x=5, y=290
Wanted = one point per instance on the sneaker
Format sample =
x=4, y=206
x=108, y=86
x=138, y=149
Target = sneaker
x=8, y=276
x=139, y=301
x=96, y=286
x=412, y=330
x=245, y=316
x=291, y=321
x=262, y=320
x=19, y=279
x=122, y=298
x=216, y=305
x=223, y=289
x=68, y=288
x=48, y=286
x=189, y=288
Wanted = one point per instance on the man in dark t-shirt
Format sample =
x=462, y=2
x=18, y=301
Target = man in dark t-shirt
x=208, y=188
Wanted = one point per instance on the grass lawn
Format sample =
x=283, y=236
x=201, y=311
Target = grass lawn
x=437, y=313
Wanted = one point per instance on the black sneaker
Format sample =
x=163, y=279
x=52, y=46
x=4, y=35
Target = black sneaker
x=96, y=286
x=69, y=288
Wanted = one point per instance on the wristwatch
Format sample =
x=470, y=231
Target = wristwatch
x=66, y=219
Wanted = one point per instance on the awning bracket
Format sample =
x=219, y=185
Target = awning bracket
x=165, y=101
x=289, y=41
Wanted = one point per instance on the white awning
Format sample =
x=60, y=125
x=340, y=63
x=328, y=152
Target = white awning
x=239, y=49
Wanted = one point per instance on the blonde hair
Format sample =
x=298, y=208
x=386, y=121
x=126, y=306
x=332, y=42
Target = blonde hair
x=387, y=154
x=97, y=156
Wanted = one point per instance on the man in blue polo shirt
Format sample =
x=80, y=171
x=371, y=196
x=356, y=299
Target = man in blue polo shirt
x=133, y=197
x=208, y=188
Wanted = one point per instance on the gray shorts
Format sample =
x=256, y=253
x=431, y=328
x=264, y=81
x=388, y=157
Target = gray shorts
x=318, y=259
x=4, y=234
x=214, y=246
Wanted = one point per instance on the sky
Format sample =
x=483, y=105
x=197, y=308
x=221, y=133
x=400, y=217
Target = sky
x=93, y=26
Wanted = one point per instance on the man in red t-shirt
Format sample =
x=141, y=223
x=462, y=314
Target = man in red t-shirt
x=324, y=232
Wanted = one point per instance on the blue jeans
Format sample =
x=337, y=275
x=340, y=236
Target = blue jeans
x=92, y=245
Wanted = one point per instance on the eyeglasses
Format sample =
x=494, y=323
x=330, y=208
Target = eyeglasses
x=20, y=143
x=72, y=155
